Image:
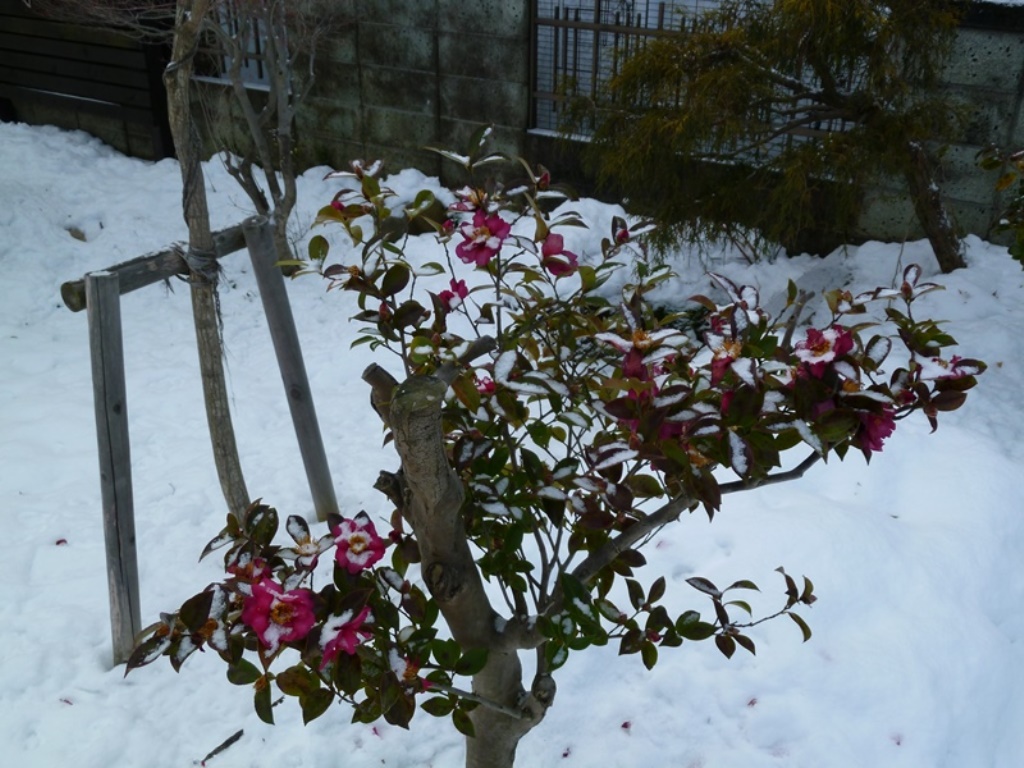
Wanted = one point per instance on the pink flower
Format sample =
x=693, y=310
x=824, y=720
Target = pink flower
x=453, y=298
x=485, y=385
x=277, y=616
x=875, y=428
x=358, y=544
x=343, y=633
x=555, y=259
x=484, y=236
x=469, y=199
x=822, y=347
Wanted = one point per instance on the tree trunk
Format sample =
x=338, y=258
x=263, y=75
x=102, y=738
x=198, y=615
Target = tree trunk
x=433, y=496
x=200, y=256
x=930, y=210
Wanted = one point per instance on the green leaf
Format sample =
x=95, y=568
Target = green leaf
x=395, y=279
x=348, y=673
x=261, y=523
x=318, y=248
x=645, y=486
x=703, y=585
x=471, y=662
x=636, y=593
x=195, y=611
x=806, y=630
x=649, y=654
x=401, y=712
x=726, y=645
x=315, y=704
x=261, y=700
x=439, y=706
x=690, y=627
x=243, y=672
x=445, y=652
x=462, y=723
x=657, y=590
x=746, y=643
x=297, y=681
x=742, y=584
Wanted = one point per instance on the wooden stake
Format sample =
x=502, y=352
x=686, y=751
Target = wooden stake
x=107, y=353
x=259, y=237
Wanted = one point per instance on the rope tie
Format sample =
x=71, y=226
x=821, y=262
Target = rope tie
x=203, y=263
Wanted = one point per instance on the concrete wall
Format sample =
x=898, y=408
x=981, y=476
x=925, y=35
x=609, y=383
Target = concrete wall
x=985, y=75
x=398, y=75
x=403, y=74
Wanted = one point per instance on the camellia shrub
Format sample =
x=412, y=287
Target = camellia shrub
x=547, y=431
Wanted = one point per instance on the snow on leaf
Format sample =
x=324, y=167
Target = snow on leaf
x=496, y=508
x=805, y=433
x=746, y=370
x=846, y=370
x=739, y=454
x=551, y=492
x=612, y=454
x=574, y=419
x=879, y=349
x=704, y=585
x=503, y=366
x=587, y=484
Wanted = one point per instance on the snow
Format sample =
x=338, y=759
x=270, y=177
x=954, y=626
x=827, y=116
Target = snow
x=917, y=657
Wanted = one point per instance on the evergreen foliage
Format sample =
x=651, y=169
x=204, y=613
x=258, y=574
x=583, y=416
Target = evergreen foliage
x=775, y=115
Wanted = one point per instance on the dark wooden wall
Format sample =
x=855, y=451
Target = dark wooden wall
x=76, y=76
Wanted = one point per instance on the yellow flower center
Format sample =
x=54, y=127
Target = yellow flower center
x=281, y=613
x=357, y=543
x=641, y=339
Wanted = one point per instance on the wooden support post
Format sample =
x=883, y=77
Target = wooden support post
x=106, y=350
x=259, y=238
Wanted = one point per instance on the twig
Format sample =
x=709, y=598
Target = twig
x=227, y=743
x=779, y=477
x=469, y=696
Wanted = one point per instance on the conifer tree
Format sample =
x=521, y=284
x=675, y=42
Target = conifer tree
x=760, y=110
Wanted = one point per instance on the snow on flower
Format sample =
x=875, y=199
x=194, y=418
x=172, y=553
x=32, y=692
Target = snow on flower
x=277, y=616
x=483, y=238
x=359, y=546
x=451, y=299
x=555, y=259
x=822, y=347
x=343, y=632
x=469, y=199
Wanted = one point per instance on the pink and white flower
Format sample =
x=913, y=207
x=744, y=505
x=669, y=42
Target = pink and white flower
x=358, y=545
x=823, y=347
x=277, y=616
x=451, y=299
x=483, y=238
x=343, y=632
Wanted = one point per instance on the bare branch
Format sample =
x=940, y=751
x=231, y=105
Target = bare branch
x=779, y=477
x=593, y=564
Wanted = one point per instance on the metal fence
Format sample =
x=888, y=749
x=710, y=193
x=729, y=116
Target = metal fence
x=578, y=45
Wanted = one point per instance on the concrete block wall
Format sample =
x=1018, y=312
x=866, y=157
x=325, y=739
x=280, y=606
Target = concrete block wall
x=404, y=74
x=985, y=76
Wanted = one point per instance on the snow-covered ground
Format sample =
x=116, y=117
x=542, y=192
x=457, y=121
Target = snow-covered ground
x=917, y=657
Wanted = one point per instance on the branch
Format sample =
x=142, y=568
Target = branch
x=779, y=477
x=518, y=714
x=477, y=348
x=593, y=564
x=382, y=389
